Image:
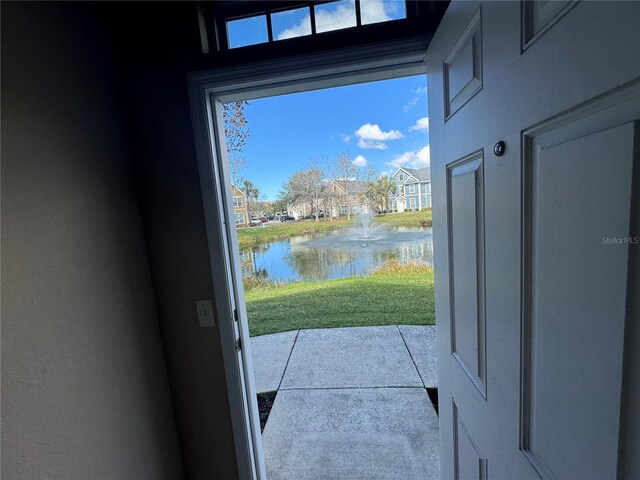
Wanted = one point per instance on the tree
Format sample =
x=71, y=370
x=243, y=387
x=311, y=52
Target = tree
x=236, y=133
x=252, y=192
x=346, y=173
x=378, y=192
x=306, y=187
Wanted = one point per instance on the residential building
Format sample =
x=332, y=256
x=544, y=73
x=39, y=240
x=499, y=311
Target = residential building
x=347, y=197
x=340, y=197
x=240, y=210
x=413, y=189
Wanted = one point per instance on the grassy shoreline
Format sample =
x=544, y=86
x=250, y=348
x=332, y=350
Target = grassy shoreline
x=406, y=219
x=275, y=231
x=392, y=296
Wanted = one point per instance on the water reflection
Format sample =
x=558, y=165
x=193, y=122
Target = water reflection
x=335, y=255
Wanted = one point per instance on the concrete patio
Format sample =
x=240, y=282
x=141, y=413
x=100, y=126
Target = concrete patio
x=351, y=403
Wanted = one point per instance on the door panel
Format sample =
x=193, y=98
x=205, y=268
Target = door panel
x=466, y=266
x=469, y=462
x=524, y=342
x=575, y=307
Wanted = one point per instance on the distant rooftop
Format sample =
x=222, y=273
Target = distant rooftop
x=422, y=174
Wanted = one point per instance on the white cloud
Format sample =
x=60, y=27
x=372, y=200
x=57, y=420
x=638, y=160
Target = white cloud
x=302, y=28
x=345, y=138
x=418, y=94
x=422, y=125
x=343, y=16
x=366, y=144
x=414, y=159
x=372, y=136
x=360, y=161
x=374, y=11
x=373, y=132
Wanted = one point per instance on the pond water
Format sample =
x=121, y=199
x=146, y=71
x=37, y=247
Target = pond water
x=341, y=253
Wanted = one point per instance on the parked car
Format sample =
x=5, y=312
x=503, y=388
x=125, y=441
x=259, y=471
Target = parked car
x=254, y=222
x=263, y=219
x=287, y=218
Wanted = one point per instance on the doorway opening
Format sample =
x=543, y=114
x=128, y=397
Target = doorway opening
x=332, y=209
x=209, y=92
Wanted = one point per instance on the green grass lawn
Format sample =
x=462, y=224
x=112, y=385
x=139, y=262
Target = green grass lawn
x=402, y=297
x=406, y=219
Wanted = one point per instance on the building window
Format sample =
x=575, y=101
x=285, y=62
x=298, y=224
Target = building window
x=260, y=26
x=335, y=15
x=391, y=10
x=240, y=219
x=291, y=23
x=247, y=31
x=238, y=202
x=401, y=177
x=412, y=203
x=412, y=188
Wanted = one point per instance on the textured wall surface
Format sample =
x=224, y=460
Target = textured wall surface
x=84, y=386
x=154, y=66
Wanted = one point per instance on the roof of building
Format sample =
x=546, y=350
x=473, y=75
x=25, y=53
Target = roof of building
x=421, y=174
x=238, y=192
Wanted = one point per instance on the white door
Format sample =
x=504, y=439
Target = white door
x=532, y=243
x=401, y=203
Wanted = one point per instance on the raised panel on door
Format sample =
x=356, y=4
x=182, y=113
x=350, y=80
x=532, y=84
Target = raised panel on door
x=578, y=191
x=466, y=266
x=469, y=462
x=463, y=67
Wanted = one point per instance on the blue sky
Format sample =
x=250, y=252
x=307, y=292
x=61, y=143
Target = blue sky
x=383, y=124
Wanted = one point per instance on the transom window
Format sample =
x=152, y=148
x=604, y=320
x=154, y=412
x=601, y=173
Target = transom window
x=311, y=19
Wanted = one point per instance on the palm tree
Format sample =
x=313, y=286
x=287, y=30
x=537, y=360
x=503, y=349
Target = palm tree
x=252, y=192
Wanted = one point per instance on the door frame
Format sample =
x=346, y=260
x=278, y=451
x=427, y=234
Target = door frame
x=208, y=91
